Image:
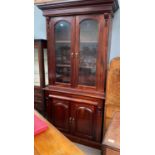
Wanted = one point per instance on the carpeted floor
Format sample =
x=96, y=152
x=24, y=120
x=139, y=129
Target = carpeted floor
x=88, y=150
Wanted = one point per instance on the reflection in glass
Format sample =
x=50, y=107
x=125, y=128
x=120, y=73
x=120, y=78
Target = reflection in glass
x=46, y=66
x=88, y=52
x=36, y=68
x=62, y=44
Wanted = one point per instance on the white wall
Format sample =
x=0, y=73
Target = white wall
x=39, y=24
x=115, y=41
x=40, y=30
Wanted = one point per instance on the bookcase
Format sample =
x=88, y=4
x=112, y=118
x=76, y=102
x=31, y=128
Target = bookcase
x=78, y=37
x=40, y=73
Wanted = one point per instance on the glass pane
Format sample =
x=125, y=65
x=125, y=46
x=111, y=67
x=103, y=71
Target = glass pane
x=36, y=68
x=63, y=45
x=46, y=66
x=88, y=52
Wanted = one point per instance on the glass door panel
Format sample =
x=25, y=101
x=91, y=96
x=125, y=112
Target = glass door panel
x=45, y=66
x=63, y=48
x=36, y=68
x=88, y=52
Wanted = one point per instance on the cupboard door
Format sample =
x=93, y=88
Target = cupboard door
x=87, y=30
x=61, y=49
x=83, y=120
x=60, y=113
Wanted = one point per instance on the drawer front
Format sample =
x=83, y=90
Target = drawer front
x=99, y=102
x=37, y=99
x=38, y=106
x=37, y=91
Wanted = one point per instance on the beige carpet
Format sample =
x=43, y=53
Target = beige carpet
x=88, y=150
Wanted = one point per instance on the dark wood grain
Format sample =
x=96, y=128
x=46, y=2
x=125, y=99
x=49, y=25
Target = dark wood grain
x=83, y=120
x=69, y=7
x=78, y=110
x=75, y=115
x=60, y=114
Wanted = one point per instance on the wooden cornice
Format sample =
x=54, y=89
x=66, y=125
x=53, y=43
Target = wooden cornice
x=81, y=6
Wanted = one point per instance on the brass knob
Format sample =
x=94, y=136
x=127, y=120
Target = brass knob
x=72, y=54
x=76, y=54
x=70, y=119
x=73, y=119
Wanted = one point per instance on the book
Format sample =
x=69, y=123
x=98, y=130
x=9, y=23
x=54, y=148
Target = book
x=39, y=125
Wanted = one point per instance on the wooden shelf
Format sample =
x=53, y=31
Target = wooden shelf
x=87, y=67
x=68, y=66
x=61, y=65
x=89, y=42
x=63, y=41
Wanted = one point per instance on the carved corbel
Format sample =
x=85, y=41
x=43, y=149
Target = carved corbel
x=108, y=17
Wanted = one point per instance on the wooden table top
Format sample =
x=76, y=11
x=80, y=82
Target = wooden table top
x=45, y=1
x=53, y=142
x=112, y=136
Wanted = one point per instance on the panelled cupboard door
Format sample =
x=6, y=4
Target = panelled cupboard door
x=61, y=50
x=83, y=120
x=60, y=114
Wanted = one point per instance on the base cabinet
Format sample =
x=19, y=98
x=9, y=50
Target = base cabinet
x=77, y=118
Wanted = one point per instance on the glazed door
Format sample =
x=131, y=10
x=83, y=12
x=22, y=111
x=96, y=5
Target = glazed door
x=60, y=114
x=61, y=51
x=87, y=30
x=36, y=67
x=83, y=120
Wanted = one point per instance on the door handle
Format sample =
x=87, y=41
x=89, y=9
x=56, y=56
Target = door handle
x=73, y=119
x=70, y=120
x=72, y=54
x=76, y=54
